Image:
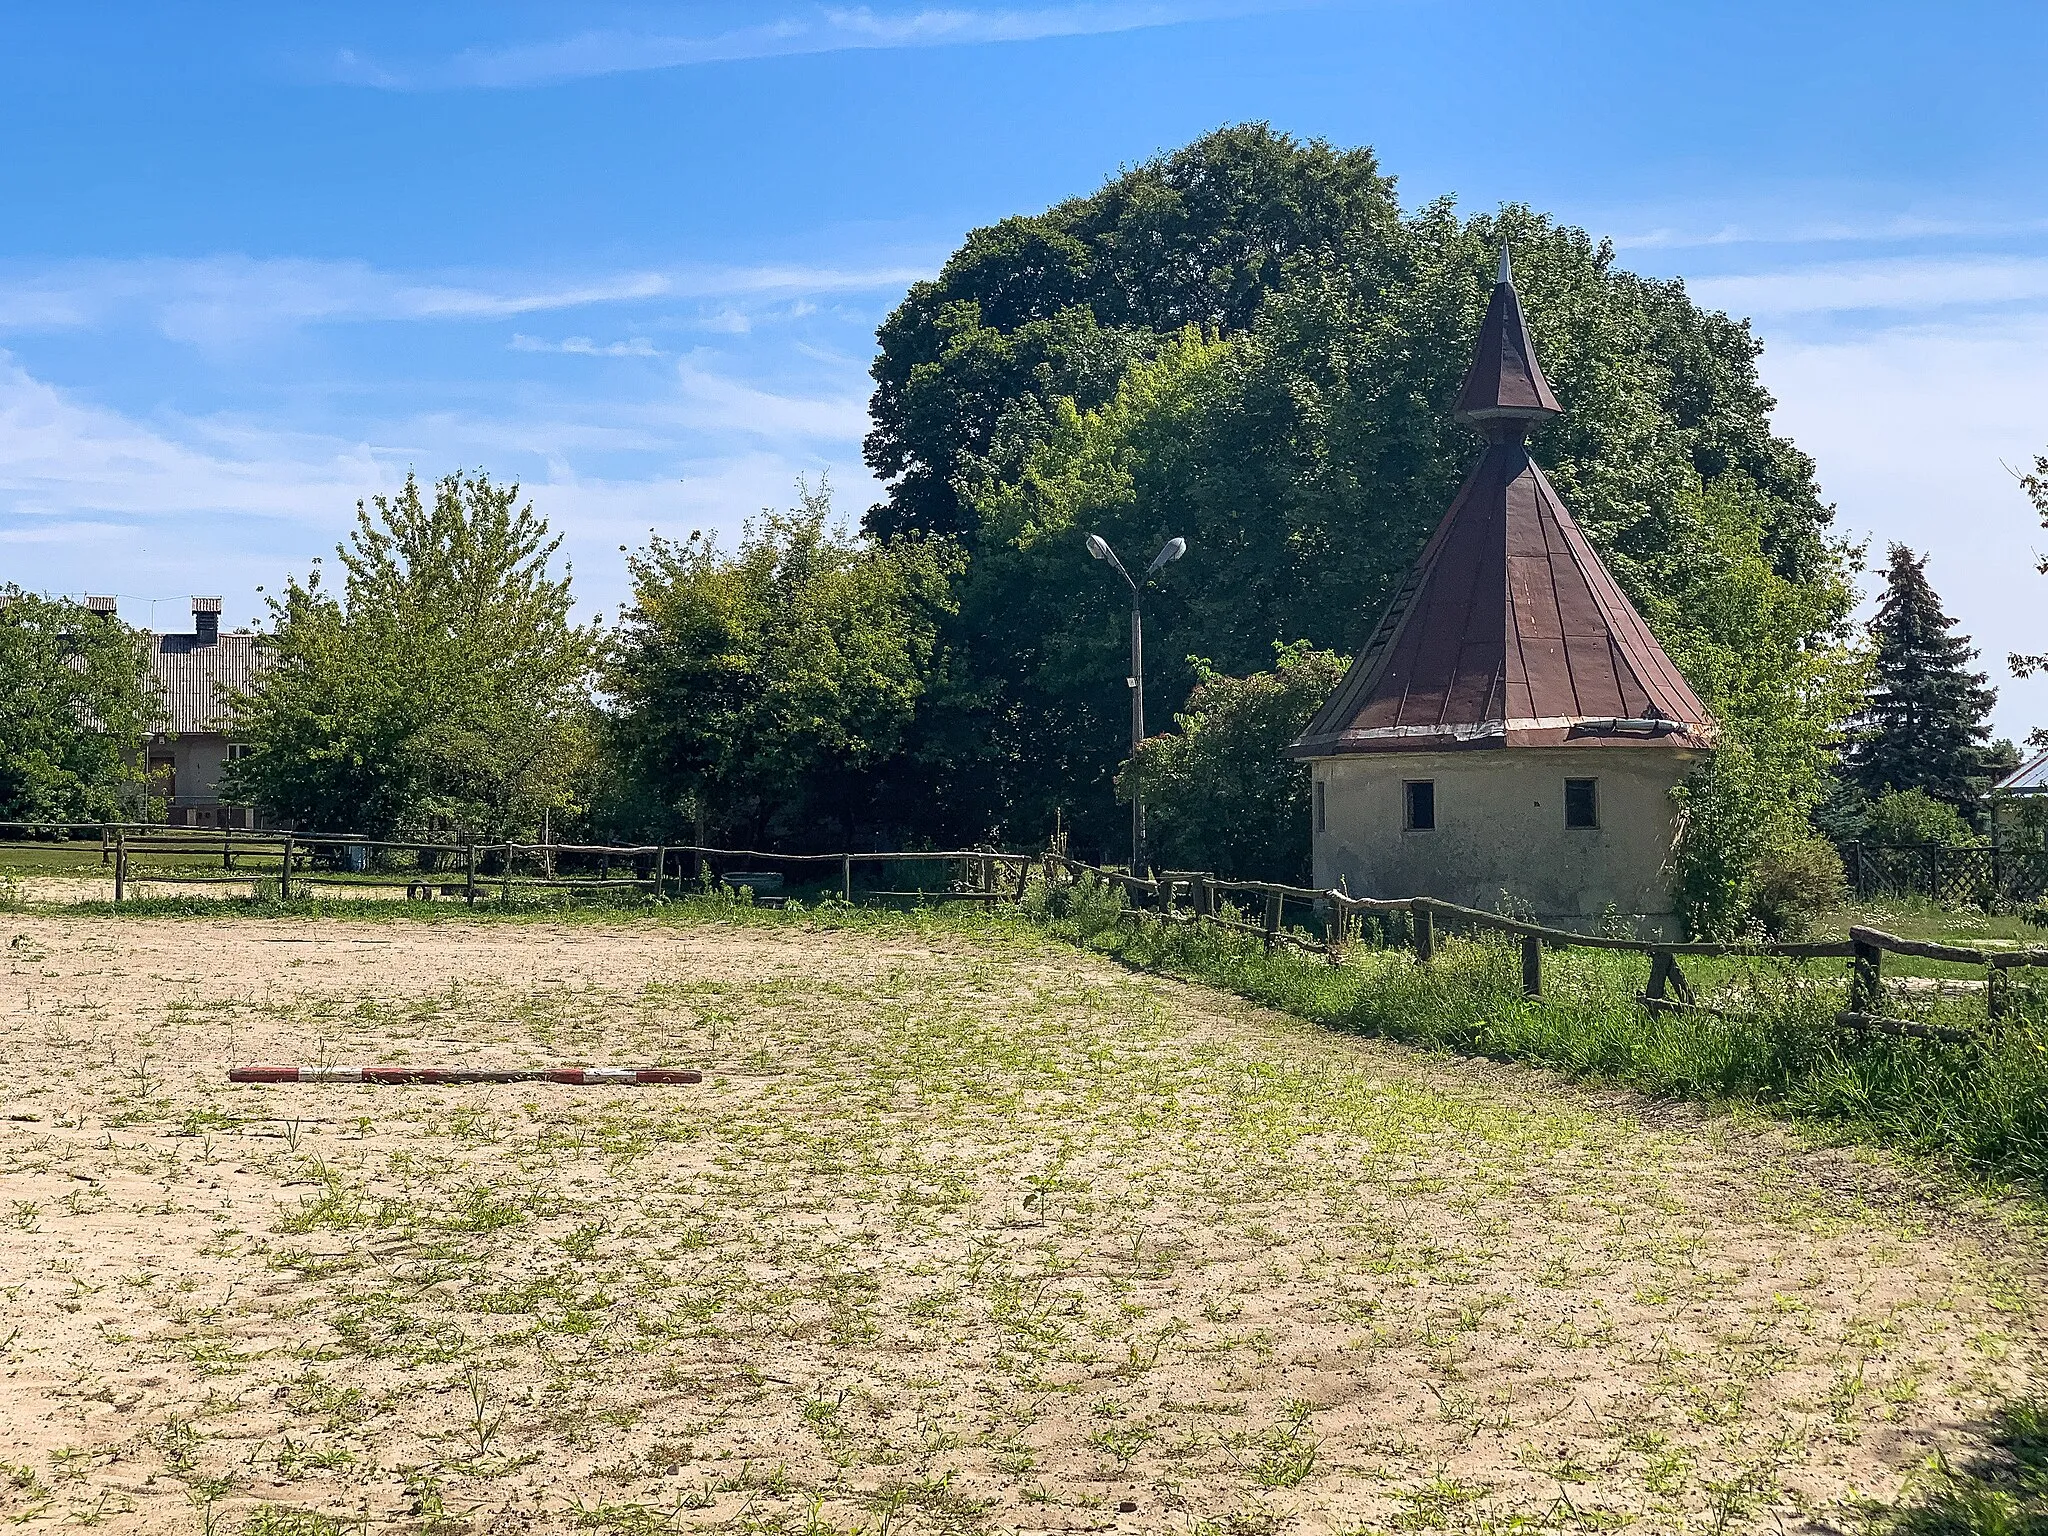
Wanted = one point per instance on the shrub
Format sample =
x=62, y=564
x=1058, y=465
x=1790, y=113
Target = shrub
x=1805, y=878
x=1914, y=816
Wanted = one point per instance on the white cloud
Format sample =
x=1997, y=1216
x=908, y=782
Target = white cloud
x=1914, y=429
x=583, y=346
x=92, y=499
x=826, y=30
x=60, y=456
x=719, y=403
x=229, y=298
x=1916, y=284
x=1885, y=228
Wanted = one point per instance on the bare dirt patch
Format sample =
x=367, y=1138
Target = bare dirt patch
x=956, y=1234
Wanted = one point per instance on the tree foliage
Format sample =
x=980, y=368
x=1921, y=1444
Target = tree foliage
x=1926, y=726
x=1054, y=306
x=1301, y=438
x=76, y=698
x=444, y=687
x=1220, y=792
x=772, y=690
x=1904, y=816
x=1774, y=662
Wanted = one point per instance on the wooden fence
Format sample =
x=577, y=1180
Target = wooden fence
x=301, y=862
x=1417, y=921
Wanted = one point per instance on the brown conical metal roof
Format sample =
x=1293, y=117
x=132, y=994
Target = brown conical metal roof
x=1508, y=631
x=1505, y=382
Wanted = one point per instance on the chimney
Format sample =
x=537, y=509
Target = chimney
x=206, y=619
x=100, y=607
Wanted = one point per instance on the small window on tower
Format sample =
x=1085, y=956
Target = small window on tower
x=1420, y=795
x=1582, y=802
x=1322, y=810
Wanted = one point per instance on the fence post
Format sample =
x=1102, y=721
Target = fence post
x=227, y=848
x=1865, y=978
x=106, y=848
x=1425, y=929
x=1023, y=877
x=505, y=877
x=121, y=866
x=469, y=869
x=1996, y=984
x=1934, y=871
x=1274, y=902
x=846, y=877
x=284, y=875
x=661, y=872
x=1532, y=965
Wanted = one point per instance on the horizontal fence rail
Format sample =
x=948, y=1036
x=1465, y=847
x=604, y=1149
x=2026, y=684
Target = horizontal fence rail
x=297, y=862
x=1329, y=922
x=1337, y=914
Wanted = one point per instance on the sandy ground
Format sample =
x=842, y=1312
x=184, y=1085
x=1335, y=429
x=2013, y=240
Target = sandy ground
x=955, y=1235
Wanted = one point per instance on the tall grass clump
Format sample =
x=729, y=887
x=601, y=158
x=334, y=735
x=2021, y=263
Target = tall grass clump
x=1773, y=1043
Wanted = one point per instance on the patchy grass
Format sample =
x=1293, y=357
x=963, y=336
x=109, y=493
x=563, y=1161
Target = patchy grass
x=1981, y=1104
x=964, y=1231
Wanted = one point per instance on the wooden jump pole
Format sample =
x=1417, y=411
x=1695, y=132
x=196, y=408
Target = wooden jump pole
x=582, y=1077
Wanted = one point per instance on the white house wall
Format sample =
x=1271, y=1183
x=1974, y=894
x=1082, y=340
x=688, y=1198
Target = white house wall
x=1500, y=831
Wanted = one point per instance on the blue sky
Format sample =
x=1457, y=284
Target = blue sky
x=258, y=260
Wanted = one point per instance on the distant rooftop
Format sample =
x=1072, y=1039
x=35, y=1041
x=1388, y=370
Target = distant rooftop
x=2030, y=778
x=200, y=671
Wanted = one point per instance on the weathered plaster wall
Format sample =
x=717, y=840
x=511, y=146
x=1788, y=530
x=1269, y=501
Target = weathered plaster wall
x=1500, y=827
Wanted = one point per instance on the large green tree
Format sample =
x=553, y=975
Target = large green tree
x=1306, y=454
x=770, y=691
x=1054, y=306
x=76, y=698
x=1927, y=723
x=443, y=688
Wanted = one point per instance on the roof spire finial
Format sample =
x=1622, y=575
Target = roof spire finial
x=1505, y=392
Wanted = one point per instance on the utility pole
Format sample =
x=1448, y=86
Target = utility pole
x=1172, y=551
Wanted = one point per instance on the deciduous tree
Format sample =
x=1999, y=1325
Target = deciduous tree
x=771, y=690
x=443, y=687
x=1220, y=792
x=76, y=698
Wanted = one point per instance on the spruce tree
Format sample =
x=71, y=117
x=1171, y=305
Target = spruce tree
x=1925, y=727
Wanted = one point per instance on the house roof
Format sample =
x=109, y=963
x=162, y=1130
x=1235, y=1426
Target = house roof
x=1508, y=630
x=2030, y=778
x=197, y=676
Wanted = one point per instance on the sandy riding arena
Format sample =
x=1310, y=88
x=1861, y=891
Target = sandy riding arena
x=958, y=1233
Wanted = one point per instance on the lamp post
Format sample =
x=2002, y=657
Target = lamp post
x=1098, y=546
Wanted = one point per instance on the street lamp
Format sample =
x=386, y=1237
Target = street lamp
x=1098, y=546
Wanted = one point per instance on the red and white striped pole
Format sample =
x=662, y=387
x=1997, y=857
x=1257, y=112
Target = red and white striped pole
x=581, y=1077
